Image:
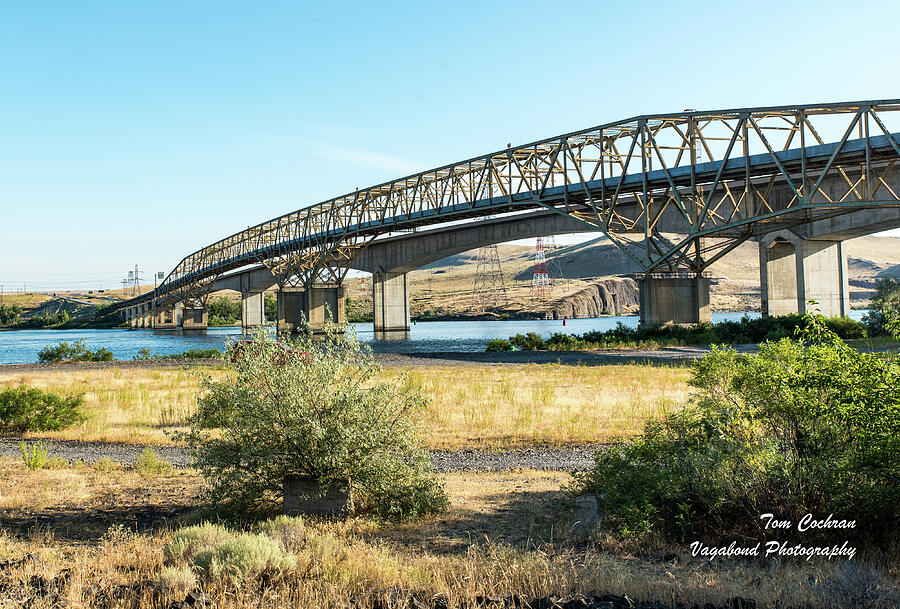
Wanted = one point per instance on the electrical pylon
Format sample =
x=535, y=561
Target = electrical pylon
x=490, y=287
x=540, y=278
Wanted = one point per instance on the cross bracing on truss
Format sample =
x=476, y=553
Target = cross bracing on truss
x=718, y=177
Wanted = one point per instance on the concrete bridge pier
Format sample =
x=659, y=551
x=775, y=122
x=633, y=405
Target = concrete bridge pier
x=674, y=300
x=145, y=320
x=320, y=305
x=793, y=271
x=390, y=297
x=253, y=310
x=164, y=317
x=193, y=317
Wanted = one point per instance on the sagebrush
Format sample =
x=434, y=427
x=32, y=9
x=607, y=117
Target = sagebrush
x=312, y=408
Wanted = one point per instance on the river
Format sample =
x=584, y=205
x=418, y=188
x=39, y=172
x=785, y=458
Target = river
x=22, y=346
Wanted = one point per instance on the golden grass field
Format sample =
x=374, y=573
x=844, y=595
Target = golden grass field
x=504, y=533
x=489, y=406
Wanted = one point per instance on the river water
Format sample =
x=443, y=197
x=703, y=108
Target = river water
x=22, y=346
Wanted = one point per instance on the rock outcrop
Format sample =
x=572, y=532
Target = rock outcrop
x=613, y=296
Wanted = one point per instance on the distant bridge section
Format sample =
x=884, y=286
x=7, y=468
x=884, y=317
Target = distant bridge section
x=675, y=192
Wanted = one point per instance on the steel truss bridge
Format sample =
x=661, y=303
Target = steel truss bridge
x=711, y=178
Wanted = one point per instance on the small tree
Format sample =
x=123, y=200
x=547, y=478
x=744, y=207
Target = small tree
x=312, y=408
x=884, y=316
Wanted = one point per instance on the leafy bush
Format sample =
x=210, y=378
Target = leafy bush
x=321, y=416
x=9, y=314
x=744, y=331
x=149, y=463
x=75, y=352
x=31, y=409
x=223, y=311
x=527, y=342
x=885, y=307
x=805, y=425
x=37, y=458
x=499, y=344
x=145, y=354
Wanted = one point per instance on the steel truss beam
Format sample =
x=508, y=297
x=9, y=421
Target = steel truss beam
x=724, y=176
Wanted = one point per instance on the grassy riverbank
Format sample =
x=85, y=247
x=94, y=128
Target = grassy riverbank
x=492, y=406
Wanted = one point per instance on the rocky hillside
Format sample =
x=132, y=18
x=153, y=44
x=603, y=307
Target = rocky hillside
x=614, y=296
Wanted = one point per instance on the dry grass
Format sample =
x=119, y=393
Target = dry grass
x=136, y=406
x=471, y=406
x=515, y=405
x=504, y=534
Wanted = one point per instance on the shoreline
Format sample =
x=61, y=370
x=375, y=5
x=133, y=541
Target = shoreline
x=663, y=356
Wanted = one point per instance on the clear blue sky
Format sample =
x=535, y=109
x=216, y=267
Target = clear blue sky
x=135, y=133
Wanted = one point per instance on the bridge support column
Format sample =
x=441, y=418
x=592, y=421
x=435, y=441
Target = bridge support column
x=253, y=310
x=320, y=305
x=674, y=300
x=793, y=271
x=164, y=317
x=193, y=318
x=146, y=317
x=390, y=297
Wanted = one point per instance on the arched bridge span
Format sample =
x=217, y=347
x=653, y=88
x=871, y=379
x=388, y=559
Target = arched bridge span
x=714, y=178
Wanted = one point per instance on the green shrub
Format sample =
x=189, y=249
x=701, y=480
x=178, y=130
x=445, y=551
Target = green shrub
x=318, y=413
x=243, y=555
x=75, y=352
x=807, y=425
x=30, y=409
x=885, y=308
x=498, y=344
x=528, y=342
x=9, y=314
x=36, y=458
x=564, y=342
x=739, y=332
x=149, y=463
x=145, y=354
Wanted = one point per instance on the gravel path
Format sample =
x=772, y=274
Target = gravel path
x=568, y=458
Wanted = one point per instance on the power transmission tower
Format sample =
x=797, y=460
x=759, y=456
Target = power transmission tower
x=364, y=287
x=550, y=253
x=540, y=278
x=490, y=287
x=133, y=280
